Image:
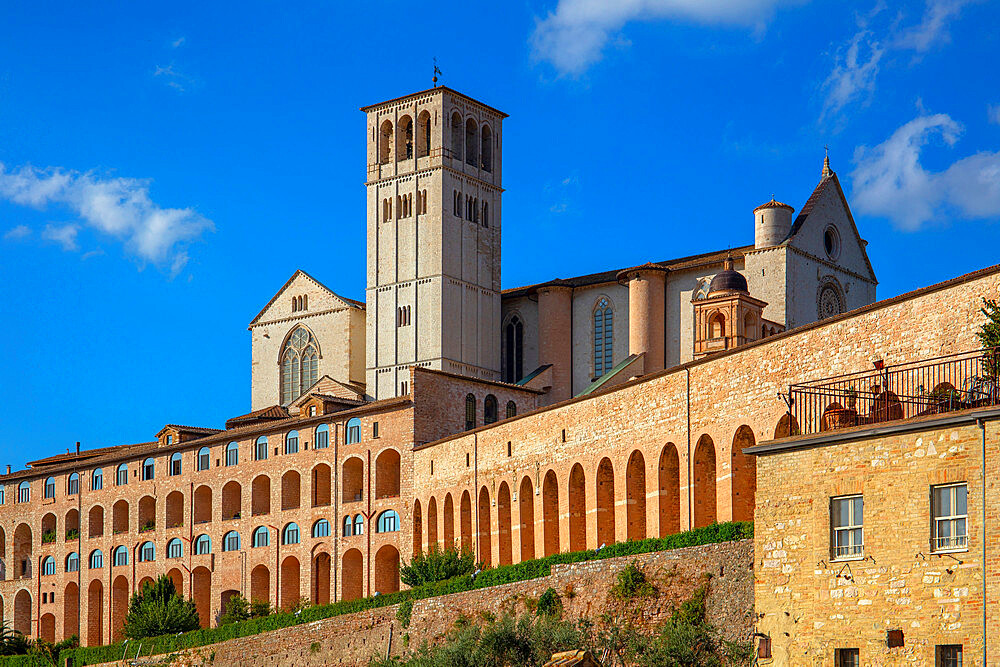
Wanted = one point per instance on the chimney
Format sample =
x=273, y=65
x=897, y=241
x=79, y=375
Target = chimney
x=8, y=469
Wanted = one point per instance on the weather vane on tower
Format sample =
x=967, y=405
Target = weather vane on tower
x=436, y=72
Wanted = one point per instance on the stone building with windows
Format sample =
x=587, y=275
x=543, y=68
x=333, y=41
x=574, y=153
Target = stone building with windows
x=333, y=478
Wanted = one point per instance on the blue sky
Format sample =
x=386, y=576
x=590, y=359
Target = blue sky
x=164, y=168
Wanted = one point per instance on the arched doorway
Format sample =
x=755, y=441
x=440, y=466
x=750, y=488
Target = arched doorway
x=743, y=474
x=22, y=612
x=352, y=579
x=260, y=584
x=485, y=524
x=418, y=527
x=526, y=506
x=201, y=587
x=550, y=513
x=504, y=525
x=321, y=578
x=387, y=570
x=670, y=490
x=119, y=606
x=95, y=613
x=577, y=508
x=71, y=610
x=178, y=579
x=449, y=522
x=432, y=524
x=47, y=627
x=321, y=476
x=705, y=504
x=289, y=582
x=635, y=497
x=605, y=502
x=465, y=520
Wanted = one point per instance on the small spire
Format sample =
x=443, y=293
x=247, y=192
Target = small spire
x=727, y=264
x=826, y=163
x=436, y=72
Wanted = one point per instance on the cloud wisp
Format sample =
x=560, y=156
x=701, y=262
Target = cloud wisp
x=574, y=36
x=17, y=233
x=889, y=181
x=118, y=207
x=856, y=63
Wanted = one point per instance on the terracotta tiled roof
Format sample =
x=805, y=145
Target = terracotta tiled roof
x=191, y=429
x=338, y=399
x=692, y=261
x=264, y=414
x=73, y=456
x=773, y=204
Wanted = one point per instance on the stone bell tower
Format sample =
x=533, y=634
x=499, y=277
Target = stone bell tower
x=433, y=201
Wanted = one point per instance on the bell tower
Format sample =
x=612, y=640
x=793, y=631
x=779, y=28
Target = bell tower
x=433, y=214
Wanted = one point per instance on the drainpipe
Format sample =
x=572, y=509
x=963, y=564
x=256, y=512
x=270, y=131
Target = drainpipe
x=38, y=598
x=277, y=566
x=369, y=527
x=337, y=521
x=475, y=490
x=79, y=546
x=982, y=428
x=690, y=471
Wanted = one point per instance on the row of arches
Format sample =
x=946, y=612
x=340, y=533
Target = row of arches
x=648, y=505
x=284, y=591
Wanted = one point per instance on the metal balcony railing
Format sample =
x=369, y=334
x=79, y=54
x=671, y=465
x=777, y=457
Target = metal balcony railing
x=902, y=391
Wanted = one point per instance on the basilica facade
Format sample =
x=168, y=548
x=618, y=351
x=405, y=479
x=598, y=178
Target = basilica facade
x=447, y=410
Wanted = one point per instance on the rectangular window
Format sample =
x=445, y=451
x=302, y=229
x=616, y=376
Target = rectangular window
x=846, y=657
x=950, y=517
x=260, y=451
x=73, y=487
x=170, y=439
x=292, y=444
x=322, y=439
x=949, y=655
x=847, y=521
x=175, y=466
x=374, y=432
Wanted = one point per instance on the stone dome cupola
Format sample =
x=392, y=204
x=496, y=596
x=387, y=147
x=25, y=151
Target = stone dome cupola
x=728, y=280
x=772, y=223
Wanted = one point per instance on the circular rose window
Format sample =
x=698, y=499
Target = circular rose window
x=829, y=302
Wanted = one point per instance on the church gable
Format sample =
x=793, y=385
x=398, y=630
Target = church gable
x=302, y=295
x=825, y=229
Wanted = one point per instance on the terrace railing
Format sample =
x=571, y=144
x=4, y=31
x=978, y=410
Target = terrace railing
x=902, y=391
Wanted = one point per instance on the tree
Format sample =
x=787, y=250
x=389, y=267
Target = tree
x=237, y=609
x=12, y=642
x=158, y=610
x=437, y=565
x=989, y=334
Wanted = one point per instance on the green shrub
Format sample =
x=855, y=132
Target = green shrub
x=157, y=610
x=404, y=612
x=437, y=565
x=314, y=647
x=72, y=534
x=631, y=583
x=148, y=526
x=48, y=536
x=260, y=608
x=12, y=642
x=549, y=603
x=237, y=609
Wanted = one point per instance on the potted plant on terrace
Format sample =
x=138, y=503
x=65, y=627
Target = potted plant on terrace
x=837, y=416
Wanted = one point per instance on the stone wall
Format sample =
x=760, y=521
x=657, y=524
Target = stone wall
x=353, y=639
x=811, y=602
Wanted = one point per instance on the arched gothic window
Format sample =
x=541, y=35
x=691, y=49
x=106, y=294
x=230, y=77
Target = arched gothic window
x=423, y=134
x=513, y=348
x=490, y=409
x=604, y=335
x=511, y=409
x=299, y=364
x=470, y=412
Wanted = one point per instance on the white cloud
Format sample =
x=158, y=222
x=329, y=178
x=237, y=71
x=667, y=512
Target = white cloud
x=933, y=27
x=119, y=207
x=173, y=78
x=64, y=235
x=856, y=63
x=854, y=72
x=573, y=37
x=18, y=233
x=890, y=182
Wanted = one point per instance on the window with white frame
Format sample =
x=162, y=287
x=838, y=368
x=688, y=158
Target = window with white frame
x=204, y=456
x=24, y=492
x=950, y=512
x=322, y=436
x=260, y=449
x=292, y=442
x=232, y=453
x=847, y=522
